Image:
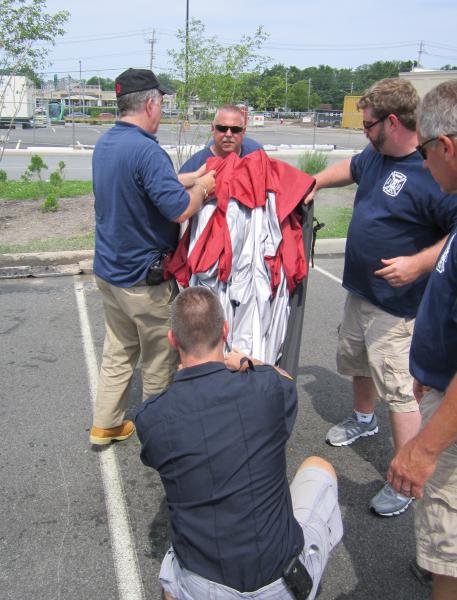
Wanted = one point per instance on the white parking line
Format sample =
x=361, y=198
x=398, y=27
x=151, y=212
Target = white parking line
x=125, y=559
x=327, y=274
x=18, y=145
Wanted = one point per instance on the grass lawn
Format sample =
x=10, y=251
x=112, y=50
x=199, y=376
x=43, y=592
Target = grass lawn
x=79, y=242
x=32, y=190
x=336, y=220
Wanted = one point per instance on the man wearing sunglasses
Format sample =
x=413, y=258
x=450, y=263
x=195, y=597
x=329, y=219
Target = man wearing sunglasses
x=398, y=228
x=427, y=465
x=228, y=129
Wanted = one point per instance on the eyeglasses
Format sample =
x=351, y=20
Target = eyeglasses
x=421, y=147
x=367, y=125
x=225, y=128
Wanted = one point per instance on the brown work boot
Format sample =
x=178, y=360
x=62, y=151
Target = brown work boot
x=101, y=437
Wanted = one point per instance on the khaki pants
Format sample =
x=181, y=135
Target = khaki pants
x=137, y=320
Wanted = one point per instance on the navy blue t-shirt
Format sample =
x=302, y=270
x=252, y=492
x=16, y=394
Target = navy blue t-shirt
x=198, y=159
x=433, y=358
x=217, y=438
x=398, y=211
x=137, y=198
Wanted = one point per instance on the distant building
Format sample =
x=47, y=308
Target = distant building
x=424, y=80
x=78, y=95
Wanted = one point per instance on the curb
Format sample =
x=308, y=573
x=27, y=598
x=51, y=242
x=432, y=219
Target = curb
x=48, y=264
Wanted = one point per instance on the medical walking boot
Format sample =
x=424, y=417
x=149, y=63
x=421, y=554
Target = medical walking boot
x=102, y=437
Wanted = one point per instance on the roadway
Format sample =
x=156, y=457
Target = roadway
x=56, y=143
x=80, y=523
x=271, y=133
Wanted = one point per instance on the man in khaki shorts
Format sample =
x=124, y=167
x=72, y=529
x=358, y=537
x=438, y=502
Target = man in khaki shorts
x=398, y=228
x=426, y=466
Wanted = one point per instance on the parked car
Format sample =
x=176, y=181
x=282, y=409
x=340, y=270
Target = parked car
x=106, y=116
x=78, y=115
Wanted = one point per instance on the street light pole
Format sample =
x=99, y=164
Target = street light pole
x=186, y=76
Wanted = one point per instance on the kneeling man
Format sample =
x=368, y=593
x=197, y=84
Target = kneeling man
x=217, y=436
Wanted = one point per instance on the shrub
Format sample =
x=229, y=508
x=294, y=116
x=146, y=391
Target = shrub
x=50, y=204
x=55, y=179
x=3, y=175
x=312, y=162
x=36, y=165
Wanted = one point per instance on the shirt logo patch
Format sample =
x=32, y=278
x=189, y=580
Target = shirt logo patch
x=394, y=184
x=441, y=264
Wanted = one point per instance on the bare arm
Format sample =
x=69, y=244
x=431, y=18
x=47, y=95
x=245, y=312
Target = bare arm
x=233, y=359
x=337, y=175
x=416, y=461
x=198, y=194
x=401, y=270
x=189, y=179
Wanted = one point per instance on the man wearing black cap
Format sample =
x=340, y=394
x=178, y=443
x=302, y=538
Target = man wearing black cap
x=139, y=202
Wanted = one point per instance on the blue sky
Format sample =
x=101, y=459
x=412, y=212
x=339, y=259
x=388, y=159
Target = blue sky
x=301, y=32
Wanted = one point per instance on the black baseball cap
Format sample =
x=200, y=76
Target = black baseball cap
x=138, y=80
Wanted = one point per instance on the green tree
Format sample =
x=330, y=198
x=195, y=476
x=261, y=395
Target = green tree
x=24, y=28
x=106, y=84
x=215, y=71
x=271, y=93
x=297, y=98
x=366, y=75
x=168, y=81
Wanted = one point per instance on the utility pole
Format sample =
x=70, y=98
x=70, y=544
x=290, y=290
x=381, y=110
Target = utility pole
x=152, y=41
x=419, y=55
x=309, y=91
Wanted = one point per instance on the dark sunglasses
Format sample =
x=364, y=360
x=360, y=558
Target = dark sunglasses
x=423, y=150
x=225, y=128
x=367, y=125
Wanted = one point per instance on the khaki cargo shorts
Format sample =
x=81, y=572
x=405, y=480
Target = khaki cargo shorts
x=373, y=343
x=436, y=512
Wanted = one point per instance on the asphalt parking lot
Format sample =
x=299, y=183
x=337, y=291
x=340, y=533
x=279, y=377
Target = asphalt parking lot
x=80, y=523
x=80, y=134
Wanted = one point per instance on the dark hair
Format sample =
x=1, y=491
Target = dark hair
x=392, y=96
x=197, y=319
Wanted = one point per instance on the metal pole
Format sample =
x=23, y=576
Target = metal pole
x=69, y=110
x=80, y=85
x=186, y=81
x=309, y=91
x=285, y=108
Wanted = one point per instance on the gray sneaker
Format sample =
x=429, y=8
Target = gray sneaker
x=350, y=430
x=389, y=503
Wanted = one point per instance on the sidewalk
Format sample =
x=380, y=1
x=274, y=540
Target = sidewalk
x=47, y=264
